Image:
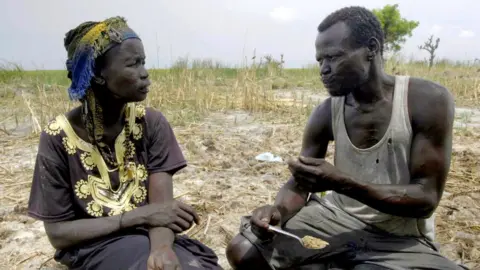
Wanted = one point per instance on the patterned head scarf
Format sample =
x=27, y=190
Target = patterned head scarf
x=87, y=42
x=84, y=45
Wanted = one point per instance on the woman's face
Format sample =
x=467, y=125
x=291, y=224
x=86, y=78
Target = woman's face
x=124, y=71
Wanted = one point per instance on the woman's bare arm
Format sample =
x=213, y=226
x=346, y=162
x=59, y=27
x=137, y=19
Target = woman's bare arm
x=65, y=234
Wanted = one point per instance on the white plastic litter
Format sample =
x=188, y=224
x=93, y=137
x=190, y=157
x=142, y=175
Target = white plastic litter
x=268, y=157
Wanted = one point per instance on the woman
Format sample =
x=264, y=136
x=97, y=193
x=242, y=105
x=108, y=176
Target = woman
x=103, y=176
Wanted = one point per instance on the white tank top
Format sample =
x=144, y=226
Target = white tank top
x=384, y=163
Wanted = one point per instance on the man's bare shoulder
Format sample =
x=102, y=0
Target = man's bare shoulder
x=320, y=120
x=322, y=109
x=430, y=104
x=426, y=91
x=318, y=131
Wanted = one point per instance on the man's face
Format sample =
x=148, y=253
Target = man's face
x=342, y=67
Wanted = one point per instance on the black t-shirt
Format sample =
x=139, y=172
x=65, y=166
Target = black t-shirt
x=71, y=180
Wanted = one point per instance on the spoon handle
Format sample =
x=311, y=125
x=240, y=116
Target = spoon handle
x=280, y=231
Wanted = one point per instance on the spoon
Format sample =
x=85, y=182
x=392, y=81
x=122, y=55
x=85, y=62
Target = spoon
x=280, y=231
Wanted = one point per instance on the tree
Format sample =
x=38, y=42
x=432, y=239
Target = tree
x=430, y=46
x=395, y=28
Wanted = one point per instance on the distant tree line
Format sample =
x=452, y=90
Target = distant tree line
x=396, y=30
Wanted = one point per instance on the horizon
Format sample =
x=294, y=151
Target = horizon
x=450, y=62
x=225, y=31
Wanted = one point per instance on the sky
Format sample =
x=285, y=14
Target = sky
x=32, y=31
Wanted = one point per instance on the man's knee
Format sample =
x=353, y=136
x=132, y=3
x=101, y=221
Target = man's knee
x=242, y=254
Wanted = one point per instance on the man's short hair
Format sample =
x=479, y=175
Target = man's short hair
x=362, y=22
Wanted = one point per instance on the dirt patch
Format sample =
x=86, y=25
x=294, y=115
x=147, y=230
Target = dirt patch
x=224, y=182
x=467, y=117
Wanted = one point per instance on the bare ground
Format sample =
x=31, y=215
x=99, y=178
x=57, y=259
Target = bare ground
x=224, y=181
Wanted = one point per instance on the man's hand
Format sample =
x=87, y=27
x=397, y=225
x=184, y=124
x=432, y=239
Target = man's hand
x=262, y=217
x=316, y=175
x=163, y=259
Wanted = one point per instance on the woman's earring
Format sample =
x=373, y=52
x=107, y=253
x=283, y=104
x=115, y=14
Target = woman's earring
x=85, y=108
x=99, y=80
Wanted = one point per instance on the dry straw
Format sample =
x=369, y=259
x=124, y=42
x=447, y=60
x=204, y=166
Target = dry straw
x=223, y=118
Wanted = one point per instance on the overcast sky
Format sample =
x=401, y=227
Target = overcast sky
x=32, y=31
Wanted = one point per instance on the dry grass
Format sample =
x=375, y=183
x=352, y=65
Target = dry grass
x=222, y=118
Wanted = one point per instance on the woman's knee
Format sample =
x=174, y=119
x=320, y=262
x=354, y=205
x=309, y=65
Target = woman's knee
x=124, y=252
x=365, y=266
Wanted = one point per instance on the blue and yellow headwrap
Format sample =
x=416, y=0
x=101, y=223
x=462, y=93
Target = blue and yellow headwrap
x=87, y=42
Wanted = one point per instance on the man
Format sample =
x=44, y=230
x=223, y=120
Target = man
x=393, y=139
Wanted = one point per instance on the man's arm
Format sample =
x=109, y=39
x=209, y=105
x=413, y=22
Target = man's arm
x=432, y=123
x=160, y=190
x=317, y=134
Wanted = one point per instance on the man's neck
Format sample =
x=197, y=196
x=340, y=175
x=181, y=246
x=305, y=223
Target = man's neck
x=377, y=88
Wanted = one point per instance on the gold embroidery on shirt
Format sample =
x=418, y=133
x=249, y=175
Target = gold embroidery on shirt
x=133, y=170
x=142, y=172
x=94, y=209
x=137, y=132
x=114, y=212
x=53, y=128
x=129, y=207
x=69, y=146
x=132, y=153
x=98, y=188
x=140, y=194
x=87, y=161
x=140, y=111
x=82, y=189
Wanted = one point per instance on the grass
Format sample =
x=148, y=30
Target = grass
x=183, y=94
x=223, y=117
x=187, y=93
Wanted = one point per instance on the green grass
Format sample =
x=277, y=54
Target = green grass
x=189, y=90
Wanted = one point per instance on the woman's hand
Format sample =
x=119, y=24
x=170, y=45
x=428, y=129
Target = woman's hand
x=177, y=216
x=163, y=259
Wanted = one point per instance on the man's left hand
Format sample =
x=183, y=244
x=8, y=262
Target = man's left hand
x=316, y=174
